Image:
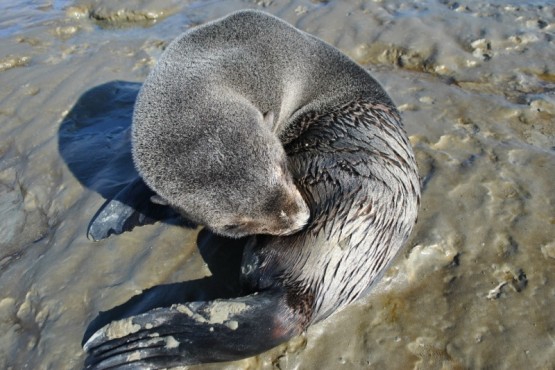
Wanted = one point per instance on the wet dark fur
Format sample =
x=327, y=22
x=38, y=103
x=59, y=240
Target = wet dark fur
x=355, y=168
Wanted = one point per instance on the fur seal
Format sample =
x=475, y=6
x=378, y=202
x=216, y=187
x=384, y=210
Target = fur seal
x=347, y=155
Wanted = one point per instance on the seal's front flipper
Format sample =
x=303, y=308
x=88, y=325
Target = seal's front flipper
x=192, y=333
x=131, y=207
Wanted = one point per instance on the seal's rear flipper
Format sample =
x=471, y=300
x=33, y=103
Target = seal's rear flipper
x=192, y=333
x=131, y=207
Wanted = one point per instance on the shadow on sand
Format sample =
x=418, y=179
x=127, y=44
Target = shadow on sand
x=94, y=141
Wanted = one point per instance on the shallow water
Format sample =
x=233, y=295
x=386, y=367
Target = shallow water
x=475, y=286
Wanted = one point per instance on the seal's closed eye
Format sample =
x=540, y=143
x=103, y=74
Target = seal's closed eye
x=156, y=199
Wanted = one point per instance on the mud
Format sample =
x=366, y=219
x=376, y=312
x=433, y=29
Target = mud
x=475, y=83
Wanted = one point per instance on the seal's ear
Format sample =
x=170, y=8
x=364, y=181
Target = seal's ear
x=134, y=205
x=269, y=118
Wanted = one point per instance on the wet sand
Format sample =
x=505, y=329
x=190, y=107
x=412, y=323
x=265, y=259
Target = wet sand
x=475, y=285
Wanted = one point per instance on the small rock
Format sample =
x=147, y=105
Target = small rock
x=300, y=10
x=12, y=61
x=548, y=250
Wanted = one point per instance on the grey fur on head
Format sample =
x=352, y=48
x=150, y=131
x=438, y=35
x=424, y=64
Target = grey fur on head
x=207, y=120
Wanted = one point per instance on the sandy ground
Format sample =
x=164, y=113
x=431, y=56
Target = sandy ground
x=473, y=289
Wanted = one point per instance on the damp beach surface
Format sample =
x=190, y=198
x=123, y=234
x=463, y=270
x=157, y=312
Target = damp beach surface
x=475, y=83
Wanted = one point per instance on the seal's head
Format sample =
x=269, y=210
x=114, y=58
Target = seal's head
x=274, y=206
x=228, y=172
